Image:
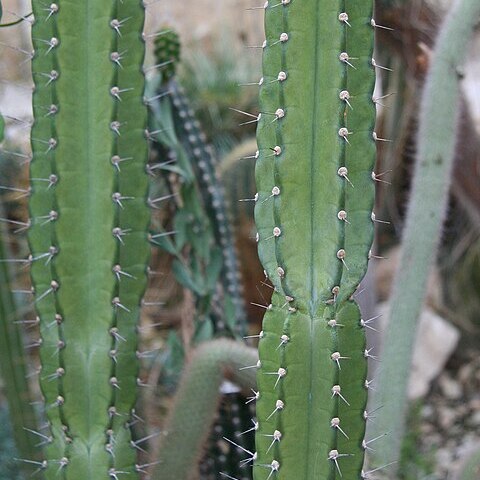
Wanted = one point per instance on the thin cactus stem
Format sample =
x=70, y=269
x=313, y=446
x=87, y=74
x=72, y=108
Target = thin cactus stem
x=214, y=197
x=88, y=310
x=437, y=138
x=206, y=229
x=316, y=152
x=196, y=404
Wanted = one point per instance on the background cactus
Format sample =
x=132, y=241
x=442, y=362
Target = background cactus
x=315, y=229
x=167, y=52
x=13, y=366
x=197, y=402
x=205, y=264
x=88, y=229
x=202, y=240
x=182, y=136
x=437, y=137
x=214, y=199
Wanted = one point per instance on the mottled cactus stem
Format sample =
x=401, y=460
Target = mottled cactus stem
x=316, y=153
x=88, y=228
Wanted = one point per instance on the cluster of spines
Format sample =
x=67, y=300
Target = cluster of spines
x=226, y=455
x=316, y=153
x=88, y=209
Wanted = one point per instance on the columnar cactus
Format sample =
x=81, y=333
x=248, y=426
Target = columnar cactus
x=88, y=228
x=437, y=138
x=315, y=181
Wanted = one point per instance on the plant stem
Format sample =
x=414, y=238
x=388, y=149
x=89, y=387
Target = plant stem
x=426, y=212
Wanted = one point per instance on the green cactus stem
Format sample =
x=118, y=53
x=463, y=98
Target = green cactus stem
x=13, y=362
x=316, y=153
x=213, y=194
x=88, y=228
x=437, y=136
x=206, y=260
x=196, y=404
x=198, y=259
x=200, y=156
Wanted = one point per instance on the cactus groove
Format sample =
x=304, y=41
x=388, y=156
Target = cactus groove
x=315, y=228
x=88, y=233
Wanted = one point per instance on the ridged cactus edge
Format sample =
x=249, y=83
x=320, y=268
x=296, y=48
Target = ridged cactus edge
x=315, y=222
x=88, y=229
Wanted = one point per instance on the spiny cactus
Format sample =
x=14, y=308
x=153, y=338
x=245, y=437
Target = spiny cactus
x=197, y=259
x=315, y=181
x=13, y=362
x=201, y=196
x=213, y=194
x=88, y=229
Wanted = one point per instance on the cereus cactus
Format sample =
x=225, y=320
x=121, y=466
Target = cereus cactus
x=315, y=221
x=88, y=229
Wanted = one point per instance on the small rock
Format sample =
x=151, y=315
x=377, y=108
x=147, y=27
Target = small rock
x=465, y=373
x=450, y=387
x=427, y=411
x=446, y=418
x=435, y=341
x=426, y=429
x=444, y=457
x=474, y=419
x=474, y=404
x=462, y=410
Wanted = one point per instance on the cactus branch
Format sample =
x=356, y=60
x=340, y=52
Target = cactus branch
x=436, y=146
x=196, y=404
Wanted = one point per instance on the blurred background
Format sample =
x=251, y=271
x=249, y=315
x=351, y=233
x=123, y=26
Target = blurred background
x=219, y=51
